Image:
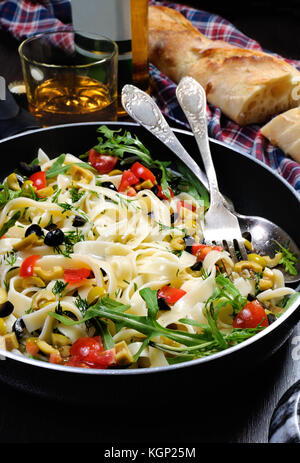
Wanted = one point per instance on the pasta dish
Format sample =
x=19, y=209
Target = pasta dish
x=103, y=263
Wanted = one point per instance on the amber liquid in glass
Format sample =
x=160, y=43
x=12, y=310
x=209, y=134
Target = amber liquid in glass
x=72, y=99
x=139, y=30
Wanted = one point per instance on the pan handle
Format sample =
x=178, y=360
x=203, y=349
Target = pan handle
x=285, y=421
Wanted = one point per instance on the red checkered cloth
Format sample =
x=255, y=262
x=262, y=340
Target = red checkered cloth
x=23, y=18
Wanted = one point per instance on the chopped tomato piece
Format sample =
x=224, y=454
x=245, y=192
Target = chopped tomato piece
x=201, y=250
x=252, y=315
x=55, y=358
x=161, y=195
x=128, y=179
x=26, y=269
x=31, y=347
x=142, y=172
x=73, y=275
x=103, y=163
x=89, y=353
x=131, y=191
x=170, y=294
x=39, y=179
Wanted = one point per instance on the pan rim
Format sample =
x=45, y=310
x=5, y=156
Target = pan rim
x=189, y=363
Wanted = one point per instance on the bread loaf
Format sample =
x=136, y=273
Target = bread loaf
x=249, y=86
x=284, y=131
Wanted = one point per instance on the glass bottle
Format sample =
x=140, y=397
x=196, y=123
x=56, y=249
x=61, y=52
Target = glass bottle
x=125, y=22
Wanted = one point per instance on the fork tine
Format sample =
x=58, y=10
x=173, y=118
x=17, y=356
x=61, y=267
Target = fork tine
x=231, y=251
x=242, y=249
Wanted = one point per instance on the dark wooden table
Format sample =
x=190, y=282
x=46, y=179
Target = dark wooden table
x=238, y=414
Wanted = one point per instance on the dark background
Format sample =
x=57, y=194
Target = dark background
x=275, y=27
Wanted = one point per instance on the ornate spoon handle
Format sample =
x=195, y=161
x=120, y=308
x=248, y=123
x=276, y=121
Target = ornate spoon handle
x=192, y=99
x=142, y=108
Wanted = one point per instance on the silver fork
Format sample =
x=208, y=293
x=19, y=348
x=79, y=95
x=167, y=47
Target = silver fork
x=221, y=227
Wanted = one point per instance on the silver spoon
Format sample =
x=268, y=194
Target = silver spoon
x=142, y=108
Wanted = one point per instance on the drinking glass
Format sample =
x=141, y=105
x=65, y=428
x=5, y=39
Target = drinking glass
x=70, y=76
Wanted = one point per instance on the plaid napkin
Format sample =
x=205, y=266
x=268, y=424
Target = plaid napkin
x=23, y=18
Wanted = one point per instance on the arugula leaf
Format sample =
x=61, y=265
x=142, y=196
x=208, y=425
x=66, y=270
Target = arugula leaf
x=190, y=346
x=291, y=300
x=225, y=293
x=150, y=297
x=7, y=195
x=10, y=223
x=288, y=259
x=217, y=335
x=106, y=337
x=118, y=145
x=108, y=308
x=58, y=167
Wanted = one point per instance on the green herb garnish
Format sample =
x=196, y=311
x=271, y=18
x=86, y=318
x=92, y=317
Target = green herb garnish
x=59, y=287
x=288, y=259
x=10, y=223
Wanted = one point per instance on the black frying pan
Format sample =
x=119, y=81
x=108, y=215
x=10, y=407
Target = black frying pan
x=254, y=189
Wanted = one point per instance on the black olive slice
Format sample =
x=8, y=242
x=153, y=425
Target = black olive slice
x=189, y=241
x=6, y=309
x=78, y=221
x=162, y=304
x=18, y=327
x=54, y=238
x=109, y=185
x=34, y=228
x=197, y=266
x=51, y=227
x=174, y=217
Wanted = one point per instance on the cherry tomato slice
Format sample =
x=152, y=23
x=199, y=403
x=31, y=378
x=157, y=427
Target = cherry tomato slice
x=103, y=163
x=170, y=294
x=26, y=269
x=39, y=180
x=128, y=179
x=201, y=250
x=251, y=316
x=89, y=353
x=142, y=172
x=73, y=275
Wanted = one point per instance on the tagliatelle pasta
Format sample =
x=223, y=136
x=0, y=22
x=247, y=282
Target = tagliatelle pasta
x=108, y=269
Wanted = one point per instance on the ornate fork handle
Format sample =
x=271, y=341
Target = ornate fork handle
x=192, y=99
x=142, y=108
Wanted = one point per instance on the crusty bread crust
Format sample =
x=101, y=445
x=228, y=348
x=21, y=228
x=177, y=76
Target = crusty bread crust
x=248, y=85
